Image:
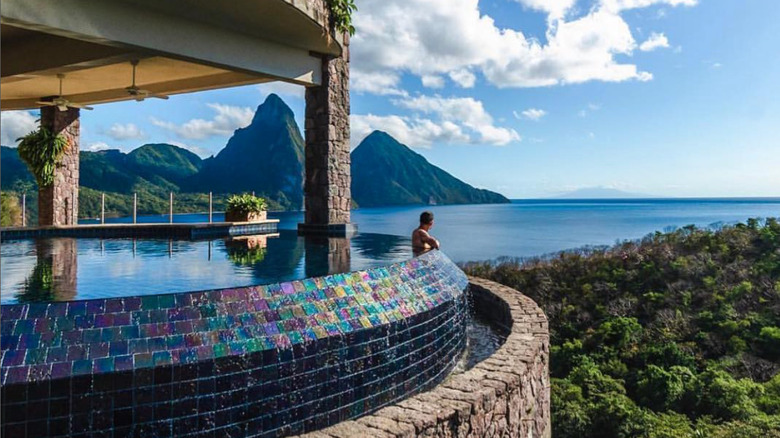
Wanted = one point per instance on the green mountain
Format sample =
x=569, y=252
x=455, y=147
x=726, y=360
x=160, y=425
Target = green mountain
x=386, y=172
x=13, y=172
x=265, y=157
x=167, y=161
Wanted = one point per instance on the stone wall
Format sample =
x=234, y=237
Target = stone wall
x=327, y=182
x=58, y=204
x=506, y=395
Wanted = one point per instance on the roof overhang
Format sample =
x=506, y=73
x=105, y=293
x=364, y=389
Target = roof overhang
x=182, y=45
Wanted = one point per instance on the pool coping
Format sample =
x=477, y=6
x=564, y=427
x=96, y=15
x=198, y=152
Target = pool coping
x=193, y=231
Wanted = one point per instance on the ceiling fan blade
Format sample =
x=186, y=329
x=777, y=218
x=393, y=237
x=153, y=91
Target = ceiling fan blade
x=45, y=103
x=62, y=107
x=79, y=105
x=159, y=96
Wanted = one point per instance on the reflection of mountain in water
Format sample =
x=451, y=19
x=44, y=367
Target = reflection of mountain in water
x=381, y=246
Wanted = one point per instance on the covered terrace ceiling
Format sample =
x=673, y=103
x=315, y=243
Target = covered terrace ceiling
x=181, y=45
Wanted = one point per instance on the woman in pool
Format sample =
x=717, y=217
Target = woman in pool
x=422, y=241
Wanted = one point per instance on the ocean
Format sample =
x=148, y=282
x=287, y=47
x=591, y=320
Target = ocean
x=526, y=228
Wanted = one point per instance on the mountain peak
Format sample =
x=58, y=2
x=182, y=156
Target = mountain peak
x=273, y=108
x=387, y=172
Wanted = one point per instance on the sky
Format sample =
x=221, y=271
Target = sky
x=530, y=98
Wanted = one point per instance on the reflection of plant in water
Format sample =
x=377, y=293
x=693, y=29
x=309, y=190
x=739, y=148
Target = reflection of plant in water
x=246, y=257
x=246, y=251
x=39, y=285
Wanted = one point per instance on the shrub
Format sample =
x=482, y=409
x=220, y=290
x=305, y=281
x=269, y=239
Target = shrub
x=245, y=203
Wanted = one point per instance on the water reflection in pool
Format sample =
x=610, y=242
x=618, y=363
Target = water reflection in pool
x=61, y=269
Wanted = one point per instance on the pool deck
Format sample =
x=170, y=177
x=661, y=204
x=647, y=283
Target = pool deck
x=198, y=230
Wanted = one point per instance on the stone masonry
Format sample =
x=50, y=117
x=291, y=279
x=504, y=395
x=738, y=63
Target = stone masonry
x=506, y=395
x=327, y=182
x=58, y=203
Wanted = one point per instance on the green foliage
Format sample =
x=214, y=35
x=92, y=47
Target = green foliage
x=676, y=335
x=10, y=210
x=246, y=256
x=341, y=15
x=245, y=203
x=42, y=151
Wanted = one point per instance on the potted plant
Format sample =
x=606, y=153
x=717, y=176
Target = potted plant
x=245, y=208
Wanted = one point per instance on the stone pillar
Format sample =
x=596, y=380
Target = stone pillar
x=327, y=181
x=58, y=204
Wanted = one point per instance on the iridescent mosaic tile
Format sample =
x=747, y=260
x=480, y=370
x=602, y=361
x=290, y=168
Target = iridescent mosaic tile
x=268, y=360
x=116, y=327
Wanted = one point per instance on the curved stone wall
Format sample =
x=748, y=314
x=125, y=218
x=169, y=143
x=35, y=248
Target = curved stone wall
x=257, y=361
x=506, y=395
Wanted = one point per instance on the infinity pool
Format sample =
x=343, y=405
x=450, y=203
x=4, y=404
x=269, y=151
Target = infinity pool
x=62, y=269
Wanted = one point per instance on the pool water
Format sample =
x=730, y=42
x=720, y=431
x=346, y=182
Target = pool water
x=483, y=338
x=63, y=269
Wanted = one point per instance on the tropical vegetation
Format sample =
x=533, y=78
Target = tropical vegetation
x=245, y=203
x=676, y=335
x=42, y=150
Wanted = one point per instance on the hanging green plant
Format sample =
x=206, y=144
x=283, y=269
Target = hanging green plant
x=42, y=151
x=341, y=15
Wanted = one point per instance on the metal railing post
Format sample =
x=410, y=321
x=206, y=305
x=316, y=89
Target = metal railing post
x=102, y=208
x=211, y=206
x=170, y=209
x=24, y=209
x=135, y=207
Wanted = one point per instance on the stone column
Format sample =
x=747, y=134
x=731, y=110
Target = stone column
x=58, y=203
x=327, y=181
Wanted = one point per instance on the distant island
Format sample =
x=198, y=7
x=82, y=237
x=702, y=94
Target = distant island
x=600, y=193
x=265, y=157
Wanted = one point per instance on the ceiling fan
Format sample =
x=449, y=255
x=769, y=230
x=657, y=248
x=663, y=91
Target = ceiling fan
x=60, y=101
x=138, y=93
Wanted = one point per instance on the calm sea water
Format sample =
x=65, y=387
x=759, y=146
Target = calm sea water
x=64, y=269
x=536, y=227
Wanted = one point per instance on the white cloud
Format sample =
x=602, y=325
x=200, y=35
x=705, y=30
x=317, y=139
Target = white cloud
x=128, y=131
x=227, y=119
x=655, y=41
x=282, y=89
x=197, y=150
x=97, y=146
x=590, y=108
x=534, y=114
x=465, y=111
x=432, y=81
x=463, y=77
x=15, y=124
x=453, y=36
x=382, y=83
x=555, y=8
x=413, y=132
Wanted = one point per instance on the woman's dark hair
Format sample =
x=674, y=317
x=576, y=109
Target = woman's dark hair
x=426, y=217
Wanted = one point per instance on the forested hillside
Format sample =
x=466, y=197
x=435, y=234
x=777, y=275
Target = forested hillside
x=677, y=335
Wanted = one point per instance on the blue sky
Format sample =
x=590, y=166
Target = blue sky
x=533, y=97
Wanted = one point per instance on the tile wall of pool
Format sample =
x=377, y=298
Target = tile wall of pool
x=265, y=360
